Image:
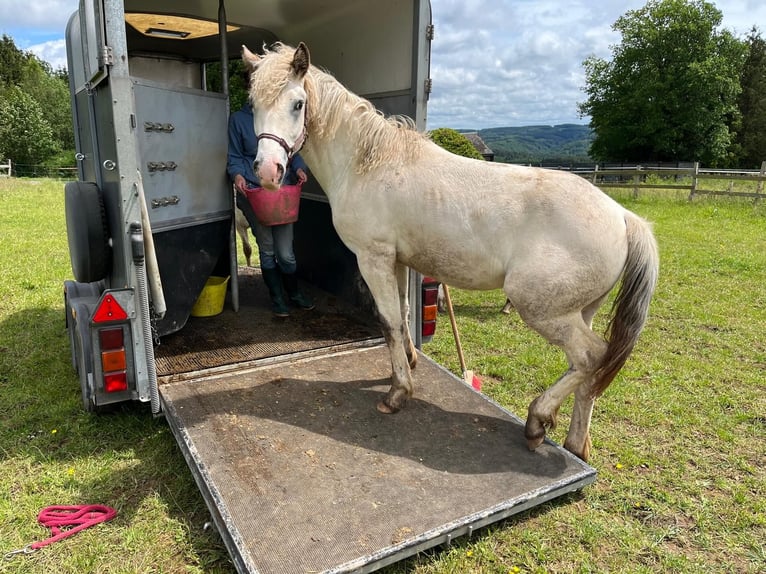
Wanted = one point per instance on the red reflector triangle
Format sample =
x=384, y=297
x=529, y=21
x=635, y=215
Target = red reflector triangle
x=109, y=310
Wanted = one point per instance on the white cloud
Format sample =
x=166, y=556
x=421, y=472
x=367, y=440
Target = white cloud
x=42, y=16
x=494, y=62
x=53, y=52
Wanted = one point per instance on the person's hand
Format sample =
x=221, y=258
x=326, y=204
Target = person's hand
x=302, y=177
x=240, y=184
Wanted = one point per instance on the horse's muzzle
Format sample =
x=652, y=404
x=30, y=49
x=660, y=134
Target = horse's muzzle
x=270, y=174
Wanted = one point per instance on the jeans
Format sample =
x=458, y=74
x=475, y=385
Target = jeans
x=275, y=243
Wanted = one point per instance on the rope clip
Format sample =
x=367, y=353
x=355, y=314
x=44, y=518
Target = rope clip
x=26, y=550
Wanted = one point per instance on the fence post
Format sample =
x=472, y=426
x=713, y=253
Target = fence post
x=595, y=175
x=636, y=182
x=759, y=189
x=694, y=180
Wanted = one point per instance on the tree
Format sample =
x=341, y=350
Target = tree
x=751, y=133
x=51, y=92
x=25, y=136
x=455, y=142
x=12, y=63
x=48, y=91
x=670, y=91
x=238, y=85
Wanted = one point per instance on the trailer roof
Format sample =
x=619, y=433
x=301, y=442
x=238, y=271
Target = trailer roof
x=252, y=23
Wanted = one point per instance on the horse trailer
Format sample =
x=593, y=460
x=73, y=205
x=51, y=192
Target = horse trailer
x=276, y=418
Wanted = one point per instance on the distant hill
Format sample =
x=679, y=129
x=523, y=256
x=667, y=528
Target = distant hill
x=565, y=143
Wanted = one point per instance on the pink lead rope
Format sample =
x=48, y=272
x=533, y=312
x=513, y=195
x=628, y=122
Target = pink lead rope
x=57, y=517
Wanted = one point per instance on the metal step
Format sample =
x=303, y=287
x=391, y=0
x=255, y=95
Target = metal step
x=302, y=474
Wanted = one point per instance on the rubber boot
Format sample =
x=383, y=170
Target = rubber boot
x=293, y=292
x=274, y=283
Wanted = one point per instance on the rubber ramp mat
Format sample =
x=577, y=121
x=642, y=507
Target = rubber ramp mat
x=253, y=333
x=302, y=474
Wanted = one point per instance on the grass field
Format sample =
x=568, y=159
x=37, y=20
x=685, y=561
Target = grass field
x=679, y=439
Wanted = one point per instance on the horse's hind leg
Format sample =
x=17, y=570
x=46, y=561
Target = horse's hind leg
x=584, y=350
x=379, y=272
x=402, y=281
x=578, y=437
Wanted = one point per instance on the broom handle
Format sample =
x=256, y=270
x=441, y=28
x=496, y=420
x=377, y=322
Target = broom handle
x=451, y=312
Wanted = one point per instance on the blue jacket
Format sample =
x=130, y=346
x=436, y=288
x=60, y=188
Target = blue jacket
x=242, y=146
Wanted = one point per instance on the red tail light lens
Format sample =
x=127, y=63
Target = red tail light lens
x=429, y=328
x=116, y=382
x=111, y=338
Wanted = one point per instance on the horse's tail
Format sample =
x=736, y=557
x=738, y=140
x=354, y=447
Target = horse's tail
x=631, y=306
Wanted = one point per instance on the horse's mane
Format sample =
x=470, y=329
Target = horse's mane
x=383, y=140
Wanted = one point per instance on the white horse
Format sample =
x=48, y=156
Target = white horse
x=552, y=241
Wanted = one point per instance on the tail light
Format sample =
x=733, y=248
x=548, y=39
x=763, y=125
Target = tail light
x=111, y=338
x=114, y=363
x=430, y=297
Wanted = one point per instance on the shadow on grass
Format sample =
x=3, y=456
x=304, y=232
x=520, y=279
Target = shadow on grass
x=124, y=458
x=127, y=458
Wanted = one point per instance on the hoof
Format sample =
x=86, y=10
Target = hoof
x=533, y=443
x=580, y=451
x=385, y=409
x=412, y=357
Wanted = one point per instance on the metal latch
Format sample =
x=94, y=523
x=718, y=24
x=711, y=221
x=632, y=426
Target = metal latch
x=165, y=201
x=161, y=165
x=158, y=127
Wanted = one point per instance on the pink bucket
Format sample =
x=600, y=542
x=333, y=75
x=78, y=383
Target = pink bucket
x=275, y=207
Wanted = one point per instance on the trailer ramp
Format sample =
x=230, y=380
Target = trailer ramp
x=302, y=474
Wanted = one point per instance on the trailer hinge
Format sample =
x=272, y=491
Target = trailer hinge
x=430, y=32
x=428, y=85
x=107, y=56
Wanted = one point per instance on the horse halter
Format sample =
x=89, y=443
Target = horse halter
x=289, y=150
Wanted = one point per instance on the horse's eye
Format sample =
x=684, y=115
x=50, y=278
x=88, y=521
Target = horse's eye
x=298, y=106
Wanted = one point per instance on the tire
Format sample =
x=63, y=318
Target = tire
x=87, y=231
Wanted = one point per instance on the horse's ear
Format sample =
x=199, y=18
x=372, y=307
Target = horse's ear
x=301, y=60
x=251, y=60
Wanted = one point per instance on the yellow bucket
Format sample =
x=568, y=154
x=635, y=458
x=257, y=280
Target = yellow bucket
x=210, y=301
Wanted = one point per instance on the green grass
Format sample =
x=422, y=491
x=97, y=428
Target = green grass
x=679, y=439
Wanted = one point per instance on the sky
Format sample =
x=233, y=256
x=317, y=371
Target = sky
x=494, y=63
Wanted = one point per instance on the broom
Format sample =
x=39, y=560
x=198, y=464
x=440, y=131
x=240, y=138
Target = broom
x=468, y=375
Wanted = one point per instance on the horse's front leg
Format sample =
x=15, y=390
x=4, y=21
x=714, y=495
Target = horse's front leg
x=379, y=271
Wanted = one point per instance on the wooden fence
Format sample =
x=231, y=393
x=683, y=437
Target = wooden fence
x=37, y=170
x=680, y=178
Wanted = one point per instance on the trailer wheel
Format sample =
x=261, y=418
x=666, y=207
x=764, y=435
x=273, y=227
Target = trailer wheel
x=87, y=231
